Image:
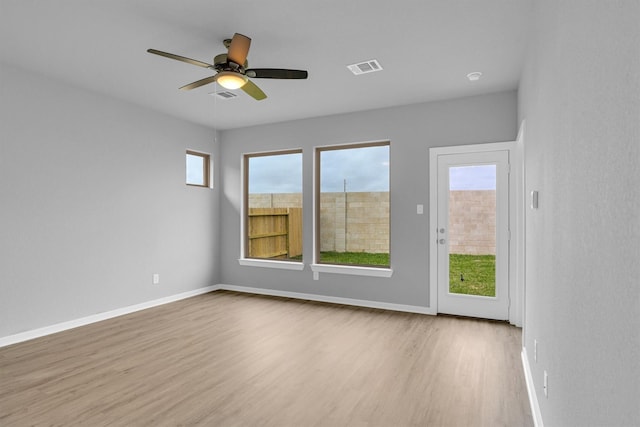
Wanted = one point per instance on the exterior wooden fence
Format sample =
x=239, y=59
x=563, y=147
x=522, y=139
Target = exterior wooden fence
x=275, y=232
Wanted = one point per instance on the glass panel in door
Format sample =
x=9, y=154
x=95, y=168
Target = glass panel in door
x=472, y=230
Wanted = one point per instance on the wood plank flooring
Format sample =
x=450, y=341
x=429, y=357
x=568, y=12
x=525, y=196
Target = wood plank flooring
x=230, y=359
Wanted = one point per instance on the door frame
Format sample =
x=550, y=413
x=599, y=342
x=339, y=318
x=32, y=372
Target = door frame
x=516, y=285
x=494, y=306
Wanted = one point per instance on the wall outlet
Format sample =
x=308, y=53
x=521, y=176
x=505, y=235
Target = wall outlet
x=420, y=209
x=545, y=385
x=156, y=279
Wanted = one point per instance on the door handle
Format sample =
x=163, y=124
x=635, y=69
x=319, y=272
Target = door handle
x=442, y=241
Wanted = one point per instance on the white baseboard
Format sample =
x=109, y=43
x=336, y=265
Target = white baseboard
x=59, y=327
x=329, y=299
x=533, y=398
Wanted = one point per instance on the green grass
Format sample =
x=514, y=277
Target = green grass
x=478, y=272
x=355, y=258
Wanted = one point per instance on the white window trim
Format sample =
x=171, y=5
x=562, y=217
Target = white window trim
x=353, y=270
x=256, y=262
x=283, y=265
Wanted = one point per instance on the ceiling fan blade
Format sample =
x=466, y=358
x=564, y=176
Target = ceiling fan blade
x=239, y=49
x=199, y=83
x=276, y=73
x=254, y=91
x=180, y=58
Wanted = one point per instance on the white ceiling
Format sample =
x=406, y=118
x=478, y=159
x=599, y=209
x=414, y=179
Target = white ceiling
x=426, y=47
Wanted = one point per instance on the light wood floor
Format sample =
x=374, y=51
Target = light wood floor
x=229, y=359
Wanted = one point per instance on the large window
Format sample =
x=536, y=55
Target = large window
x=352, y=205
x=273, y=206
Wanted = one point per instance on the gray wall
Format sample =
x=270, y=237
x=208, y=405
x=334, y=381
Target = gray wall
x=580, y=96
x=93, y=202
x=412, y=130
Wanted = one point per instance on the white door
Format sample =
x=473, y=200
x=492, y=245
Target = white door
x=473, y=234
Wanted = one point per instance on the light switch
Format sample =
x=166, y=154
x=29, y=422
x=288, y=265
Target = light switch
x=420, y=209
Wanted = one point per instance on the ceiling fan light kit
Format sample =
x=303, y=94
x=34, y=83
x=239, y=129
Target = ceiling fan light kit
x=231, y=67
x=231, y=80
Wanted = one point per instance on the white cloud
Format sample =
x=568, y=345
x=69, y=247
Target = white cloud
x=276, y=174
x=364, y=169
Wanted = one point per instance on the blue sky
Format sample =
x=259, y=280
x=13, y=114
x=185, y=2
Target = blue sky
x=480, y=177
x=276, y=174
x=364, y=169
x=194, y=170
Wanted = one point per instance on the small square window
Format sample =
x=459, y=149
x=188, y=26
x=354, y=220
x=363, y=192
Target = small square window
x=198, y=169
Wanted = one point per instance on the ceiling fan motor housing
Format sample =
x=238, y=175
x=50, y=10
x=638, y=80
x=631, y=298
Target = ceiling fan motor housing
x=221, y=63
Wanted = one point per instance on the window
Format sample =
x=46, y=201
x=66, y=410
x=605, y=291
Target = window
x=198, y=169
x=272, y=227
x=352, y=206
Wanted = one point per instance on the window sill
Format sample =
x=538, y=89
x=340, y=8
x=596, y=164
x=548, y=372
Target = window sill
x=351, y=269
x=199, y=186
x=283, y=265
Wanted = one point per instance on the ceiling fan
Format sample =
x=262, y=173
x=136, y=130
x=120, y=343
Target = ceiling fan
x=232, y=68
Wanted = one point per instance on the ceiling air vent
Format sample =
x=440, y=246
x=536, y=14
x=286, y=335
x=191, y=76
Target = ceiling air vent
x=224, y=94
x=365, y=67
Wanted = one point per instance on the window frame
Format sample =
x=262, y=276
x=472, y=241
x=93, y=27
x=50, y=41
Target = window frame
x=320, y=267
x=206, y=169
x=244, y=259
